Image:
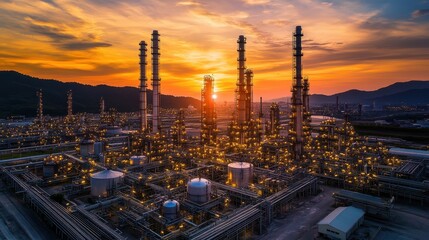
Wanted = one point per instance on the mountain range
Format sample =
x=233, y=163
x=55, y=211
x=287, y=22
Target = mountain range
x=411, y=93
x=18, y=96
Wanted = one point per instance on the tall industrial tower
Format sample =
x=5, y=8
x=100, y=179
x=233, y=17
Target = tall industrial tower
x=208, y=112
x=249, y=94
x=244, y=130
x=156, y=82
x=296, y=131
x=306, y=101
x=241, y=84
x=274, y=123
x=178, y=130
x=143, y=87
x=40, y=107
x=102, y=106
x=69, y=103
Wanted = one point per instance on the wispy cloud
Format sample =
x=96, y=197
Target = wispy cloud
x=276, y=22
x=188, y=3
x=256, y=2
x=419, y=13
x=96, y=41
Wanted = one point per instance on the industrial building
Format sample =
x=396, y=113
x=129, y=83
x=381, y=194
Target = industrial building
x=341, y=223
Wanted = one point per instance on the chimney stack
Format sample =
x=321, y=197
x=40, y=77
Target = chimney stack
x=156, y=82
x=143, y=87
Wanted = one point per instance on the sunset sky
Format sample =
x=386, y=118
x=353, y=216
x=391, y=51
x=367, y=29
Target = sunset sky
x=363, y=44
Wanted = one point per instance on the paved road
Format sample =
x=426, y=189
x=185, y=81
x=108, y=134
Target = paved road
x=406, y=222
x=31, y=226
x=301, y=223
x=5, y=232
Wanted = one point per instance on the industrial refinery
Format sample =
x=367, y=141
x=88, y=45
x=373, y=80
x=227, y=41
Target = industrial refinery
x=211, y=173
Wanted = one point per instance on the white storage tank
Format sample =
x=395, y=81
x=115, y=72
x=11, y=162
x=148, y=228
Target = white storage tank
x=240, y=174
x=86, y=148
x=170, y=209
x=138, y=160
x=105, y=182
x=199, y=190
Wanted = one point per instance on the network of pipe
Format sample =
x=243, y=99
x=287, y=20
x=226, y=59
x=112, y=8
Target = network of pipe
x=205, y=171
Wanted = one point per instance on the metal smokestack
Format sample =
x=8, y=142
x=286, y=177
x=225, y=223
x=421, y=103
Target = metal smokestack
x=249, y=94
x=69, y=103
x=306, y=98
x=208, y=113
x=156, y=82
x=297, y=93
x=241, y=91
x=102, y=106
x=143, y=87
x=40, y=109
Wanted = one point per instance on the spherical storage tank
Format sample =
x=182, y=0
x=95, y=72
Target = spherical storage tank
x=170, y=209
x=103, y=183
x=240, y=174
x=199, y=190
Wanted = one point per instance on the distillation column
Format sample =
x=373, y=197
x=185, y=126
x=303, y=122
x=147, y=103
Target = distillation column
x=102, y=106
x=40, y=108
x=249, y=94
x=208, y=113
x=143, y=87
x=178, y=130
x=297, y=93
x=241, y=91
x=274, y=120
x=69, y=103
x=306, y=100
x=156, y=82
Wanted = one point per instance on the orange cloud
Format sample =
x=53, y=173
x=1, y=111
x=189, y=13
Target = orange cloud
x=346, y=44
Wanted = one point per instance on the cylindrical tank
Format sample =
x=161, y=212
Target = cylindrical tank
x=199, y=190
x=240, y=174
x=138, y=160
x=104, y=183
x=86, y=148
x=170, y=209
x=98, y=148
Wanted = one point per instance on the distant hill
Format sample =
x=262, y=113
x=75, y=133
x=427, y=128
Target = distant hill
x=18, y=96
x=411, y=92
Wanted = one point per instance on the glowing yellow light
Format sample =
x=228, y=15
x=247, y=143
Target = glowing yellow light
x=214, y=96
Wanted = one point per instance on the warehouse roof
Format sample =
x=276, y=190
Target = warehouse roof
x=360, y=197
x=409, y=152
x=343, y=218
